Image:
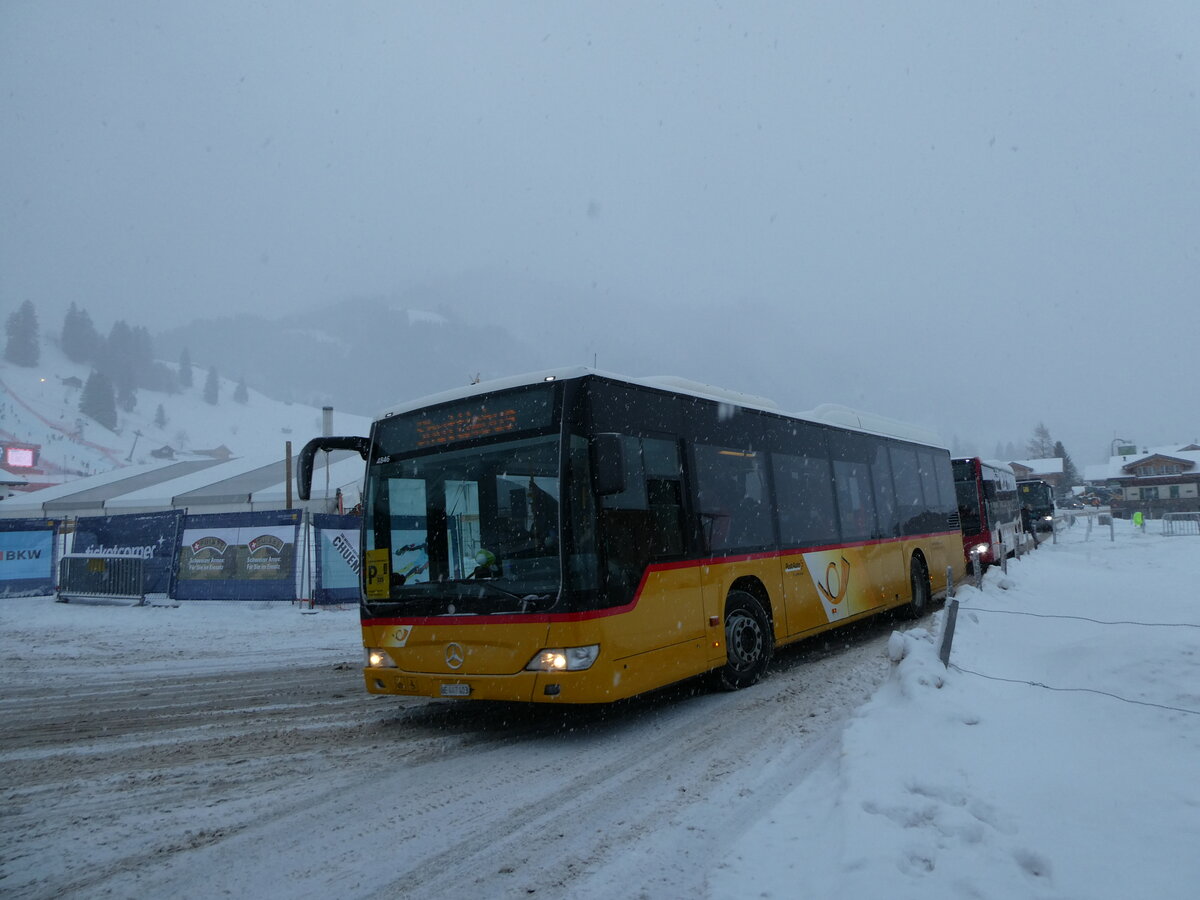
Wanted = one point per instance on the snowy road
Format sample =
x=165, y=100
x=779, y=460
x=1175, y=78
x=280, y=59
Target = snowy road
x=295, y=782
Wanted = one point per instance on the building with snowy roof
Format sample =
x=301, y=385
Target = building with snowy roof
x=1154, y=481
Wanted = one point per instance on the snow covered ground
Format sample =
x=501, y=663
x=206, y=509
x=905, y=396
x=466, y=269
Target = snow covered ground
x=228, y=749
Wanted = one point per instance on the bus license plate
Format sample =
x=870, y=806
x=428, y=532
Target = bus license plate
x=456, y=690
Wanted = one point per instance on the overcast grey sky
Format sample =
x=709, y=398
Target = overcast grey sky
x=987, y=209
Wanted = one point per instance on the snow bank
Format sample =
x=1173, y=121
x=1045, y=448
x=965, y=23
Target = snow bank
x=1055, y=758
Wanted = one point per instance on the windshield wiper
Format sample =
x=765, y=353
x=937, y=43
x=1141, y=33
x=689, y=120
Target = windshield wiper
x=527, y=600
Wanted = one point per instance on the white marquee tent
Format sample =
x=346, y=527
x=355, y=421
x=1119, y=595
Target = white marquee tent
x=200, y=485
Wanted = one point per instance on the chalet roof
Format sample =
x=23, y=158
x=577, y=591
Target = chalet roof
x=1125, y=466
x=1051, y=466
x=1155, y=458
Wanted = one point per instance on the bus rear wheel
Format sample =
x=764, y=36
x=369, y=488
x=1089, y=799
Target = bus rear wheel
x=748, y=642
x=921, y=592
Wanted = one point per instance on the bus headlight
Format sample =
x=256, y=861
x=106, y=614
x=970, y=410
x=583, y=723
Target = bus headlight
x=1048, y=518
x=377, y=659
x=980, y=549
x=564, y=659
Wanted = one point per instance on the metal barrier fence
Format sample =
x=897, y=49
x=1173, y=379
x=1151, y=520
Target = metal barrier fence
x=1181, y=523
x=1066, y=518
x=86, y=577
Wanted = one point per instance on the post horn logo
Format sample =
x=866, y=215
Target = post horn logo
x=836, y=582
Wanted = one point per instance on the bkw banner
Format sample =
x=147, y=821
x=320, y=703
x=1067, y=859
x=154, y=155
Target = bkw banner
x=27, y=563
x=152, y=536
x=337, y=540
x=238, y=556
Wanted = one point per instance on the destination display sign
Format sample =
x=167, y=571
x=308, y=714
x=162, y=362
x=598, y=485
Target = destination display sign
x=468, y=420
x=466, y=425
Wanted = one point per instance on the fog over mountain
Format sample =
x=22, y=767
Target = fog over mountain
x=978, y=383
x=368, y=353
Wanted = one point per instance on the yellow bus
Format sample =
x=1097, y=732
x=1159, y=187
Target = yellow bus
x=580, y=537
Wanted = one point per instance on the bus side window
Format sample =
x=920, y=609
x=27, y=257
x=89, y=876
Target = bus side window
x=804, y=494
x=856, y=505
x=885, y=495
x=666, y=516
x=910, y=501
x=732, y=501
x=664, y=496
x=851, y=455
x=931, y=482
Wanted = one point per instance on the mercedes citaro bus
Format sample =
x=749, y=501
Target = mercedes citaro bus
x=580, y=537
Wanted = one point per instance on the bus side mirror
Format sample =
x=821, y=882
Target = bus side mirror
x=304, y=461
x=608, y=464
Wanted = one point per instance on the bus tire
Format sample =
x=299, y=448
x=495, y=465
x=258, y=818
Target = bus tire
x=921, y=592
x=748, y=642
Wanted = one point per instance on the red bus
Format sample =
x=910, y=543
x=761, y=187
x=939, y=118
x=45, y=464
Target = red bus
x=988, y=510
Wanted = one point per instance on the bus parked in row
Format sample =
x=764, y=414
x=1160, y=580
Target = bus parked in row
x=987, y=509
x=580, y=537
x=1039, y=497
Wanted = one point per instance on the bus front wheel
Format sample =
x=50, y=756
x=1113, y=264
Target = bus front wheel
x=748, y=642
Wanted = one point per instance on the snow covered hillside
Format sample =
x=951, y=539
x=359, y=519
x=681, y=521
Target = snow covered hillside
x=229, y=749
x=41, y=406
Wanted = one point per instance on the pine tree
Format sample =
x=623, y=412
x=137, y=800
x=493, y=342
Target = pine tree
x=98, y=400
x=127, y=398
x=79, y=338
x=240, y=394
x=141, y=356
x=1070, y=473
x=1041, y=445
x=161, y=378
x=160, y=417
x=23, y=348
x=212, y=387
x=117, y=359
x=185, y=369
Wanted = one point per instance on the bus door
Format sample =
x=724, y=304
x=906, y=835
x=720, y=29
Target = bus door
x=867, y=521
x=643, y=540
x=808, y=532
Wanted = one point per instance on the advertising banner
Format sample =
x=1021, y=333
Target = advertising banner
x=338, y=564
x=239, y=556
x=152, y=536
x=27, y=557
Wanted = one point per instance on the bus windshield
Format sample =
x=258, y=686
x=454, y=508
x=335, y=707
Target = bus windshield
x=471, y=531
x=968, y=507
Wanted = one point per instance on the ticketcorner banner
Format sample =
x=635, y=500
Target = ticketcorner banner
x=337, y=539
x=239, y=556
x=152, y=536
x=27, y=557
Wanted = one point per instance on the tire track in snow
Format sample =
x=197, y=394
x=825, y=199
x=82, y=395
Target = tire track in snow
x=298, y=775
